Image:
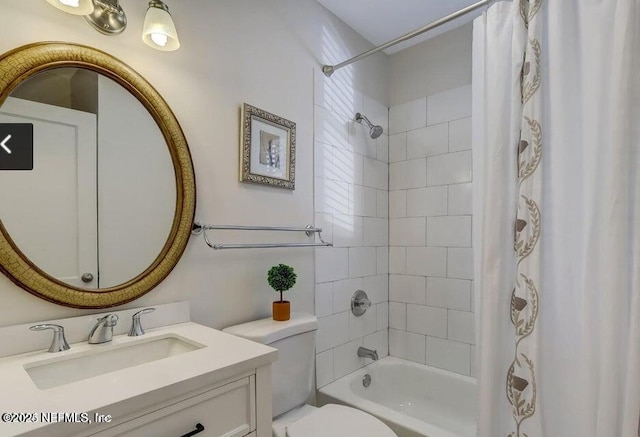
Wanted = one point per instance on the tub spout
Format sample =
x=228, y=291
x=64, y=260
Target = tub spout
x=367, y=353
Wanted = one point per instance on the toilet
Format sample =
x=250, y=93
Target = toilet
x=292, y=376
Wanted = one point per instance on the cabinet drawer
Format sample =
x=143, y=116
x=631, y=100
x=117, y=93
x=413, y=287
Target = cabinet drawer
x=227, y=411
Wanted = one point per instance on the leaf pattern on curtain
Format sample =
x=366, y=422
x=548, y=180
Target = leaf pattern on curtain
x=528, y=10
x=524, y=245
x=521, y=389
x=531, y=80
x=524, y=309
x=529, y=158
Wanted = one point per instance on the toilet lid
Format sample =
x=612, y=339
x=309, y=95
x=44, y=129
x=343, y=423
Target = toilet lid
x=338, y=421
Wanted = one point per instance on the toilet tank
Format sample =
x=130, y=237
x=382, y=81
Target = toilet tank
x=292, y=373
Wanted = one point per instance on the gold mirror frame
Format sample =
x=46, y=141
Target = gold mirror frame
x=20, y=64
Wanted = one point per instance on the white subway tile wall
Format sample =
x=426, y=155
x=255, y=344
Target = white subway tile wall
x=408, y=116
x=332, y=331
x=383, y=318
x=407, y=231
x=449, y=106
x=408, y=174
x=398, y=147
x=378, y=341
x=430, y=255
x=398, y=316
x=460, y=135
x=425, y=202
x=397, y=259
x=407, y=345
x=324, y=367
x=383, y=148
x=351, y=200
x=382, y=255
x=449, y=355
x=460, y=199
x=398, y=210
x=450, y=168
x=426, y=261
x=428, y=141
x=426, y=320
x=346, y=359
x=407, y=289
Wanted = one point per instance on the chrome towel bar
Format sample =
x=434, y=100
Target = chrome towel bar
x=199, y=228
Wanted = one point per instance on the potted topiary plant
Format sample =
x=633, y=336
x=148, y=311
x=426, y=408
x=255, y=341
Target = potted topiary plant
x=281, y=278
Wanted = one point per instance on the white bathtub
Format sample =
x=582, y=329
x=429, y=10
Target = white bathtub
x=413, y=399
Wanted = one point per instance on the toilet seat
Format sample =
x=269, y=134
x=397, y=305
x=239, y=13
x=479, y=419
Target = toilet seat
x=338, y=421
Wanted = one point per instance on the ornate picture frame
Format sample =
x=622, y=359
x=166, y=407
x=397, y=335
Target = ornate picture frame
x=267, y=149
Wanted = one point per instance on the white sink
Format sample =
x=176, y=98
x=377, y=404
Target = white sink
x=100, y=360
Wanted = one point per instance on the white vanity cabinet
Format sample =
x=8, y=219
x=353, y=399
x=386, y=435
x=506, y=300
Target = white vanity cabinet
x=220, y=381
x=228, y=410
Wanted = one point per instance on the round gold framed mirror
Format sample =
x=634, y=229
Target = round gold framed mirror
x=18, y=262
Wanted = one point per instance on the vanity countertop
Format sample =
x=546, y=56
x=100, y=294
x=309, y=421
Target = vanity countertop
x=134, y=388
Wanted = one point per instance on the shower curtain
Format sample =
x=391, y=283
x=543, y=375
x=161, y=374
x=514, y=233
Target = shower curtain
x=556, y=96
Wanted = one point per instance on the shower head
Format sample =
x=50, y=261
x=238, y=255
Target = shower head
x=374, y=130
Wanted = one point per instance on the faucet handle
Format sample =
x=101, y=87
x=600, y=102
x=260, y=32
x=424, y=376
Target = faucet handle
x=136, y=326
x=102, y=331
x=58, y=343
x=110, y=320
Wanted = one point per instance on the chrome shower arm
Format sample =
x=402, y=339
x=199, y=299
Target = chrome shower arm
x=360, y=117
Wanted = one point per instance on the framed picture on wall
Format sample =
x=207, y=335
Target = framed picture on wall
x=267, y=149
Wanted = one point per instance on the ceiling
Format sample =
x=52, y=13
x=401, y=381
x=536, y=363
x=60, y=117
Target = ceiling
x=380, y=21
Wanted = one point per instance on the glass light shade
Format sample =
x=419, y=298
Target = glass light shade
x=75, y=7
x=159, y=32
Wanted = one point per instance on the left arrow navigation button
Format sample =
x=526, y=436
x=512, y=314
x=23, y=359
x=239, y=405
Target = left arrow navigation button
x=16, y=146
x=3, y=144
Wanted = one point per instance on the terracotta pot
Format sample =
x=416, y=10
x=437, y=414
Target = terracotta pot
x=281, y=310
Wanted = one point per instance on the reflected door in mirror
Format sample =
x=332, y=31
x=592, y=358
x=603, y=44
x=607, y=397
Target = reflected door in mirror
x=98, y=207
x=51, y=211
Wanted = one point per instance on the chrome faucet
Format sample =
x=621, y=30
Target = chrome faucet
x=367, y=353
x=136, y=327
x=102, y=332
x=58, y=343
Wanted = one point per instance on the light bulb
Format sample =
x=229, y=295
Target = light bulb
x=159, y=39
x=159, y=31
x=75, y=7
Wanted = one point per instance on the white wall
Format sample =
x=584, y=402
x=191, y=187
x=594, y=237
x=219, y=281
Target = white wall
x=262, y=52
x=436, y=65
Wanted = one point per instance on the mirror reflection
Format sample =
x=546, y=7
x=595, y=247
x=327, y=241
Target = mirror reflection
x=99, y=204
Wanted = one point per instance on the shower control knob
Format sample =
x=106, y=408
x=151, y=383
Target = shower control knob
x=360, y=303
x=87, y=277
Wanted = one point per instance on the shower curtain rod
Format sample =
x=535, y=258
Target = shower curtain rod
x=329, y=69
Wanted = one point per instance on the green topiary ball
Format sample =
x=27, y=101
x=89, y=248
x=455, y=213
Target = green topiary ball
x=281, y=278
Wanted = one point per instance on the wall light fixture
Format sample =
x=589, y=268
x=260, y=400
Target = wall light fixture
x=108, y=17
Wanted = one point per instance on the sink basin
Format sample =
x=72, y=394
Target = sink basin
x=62, y=370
